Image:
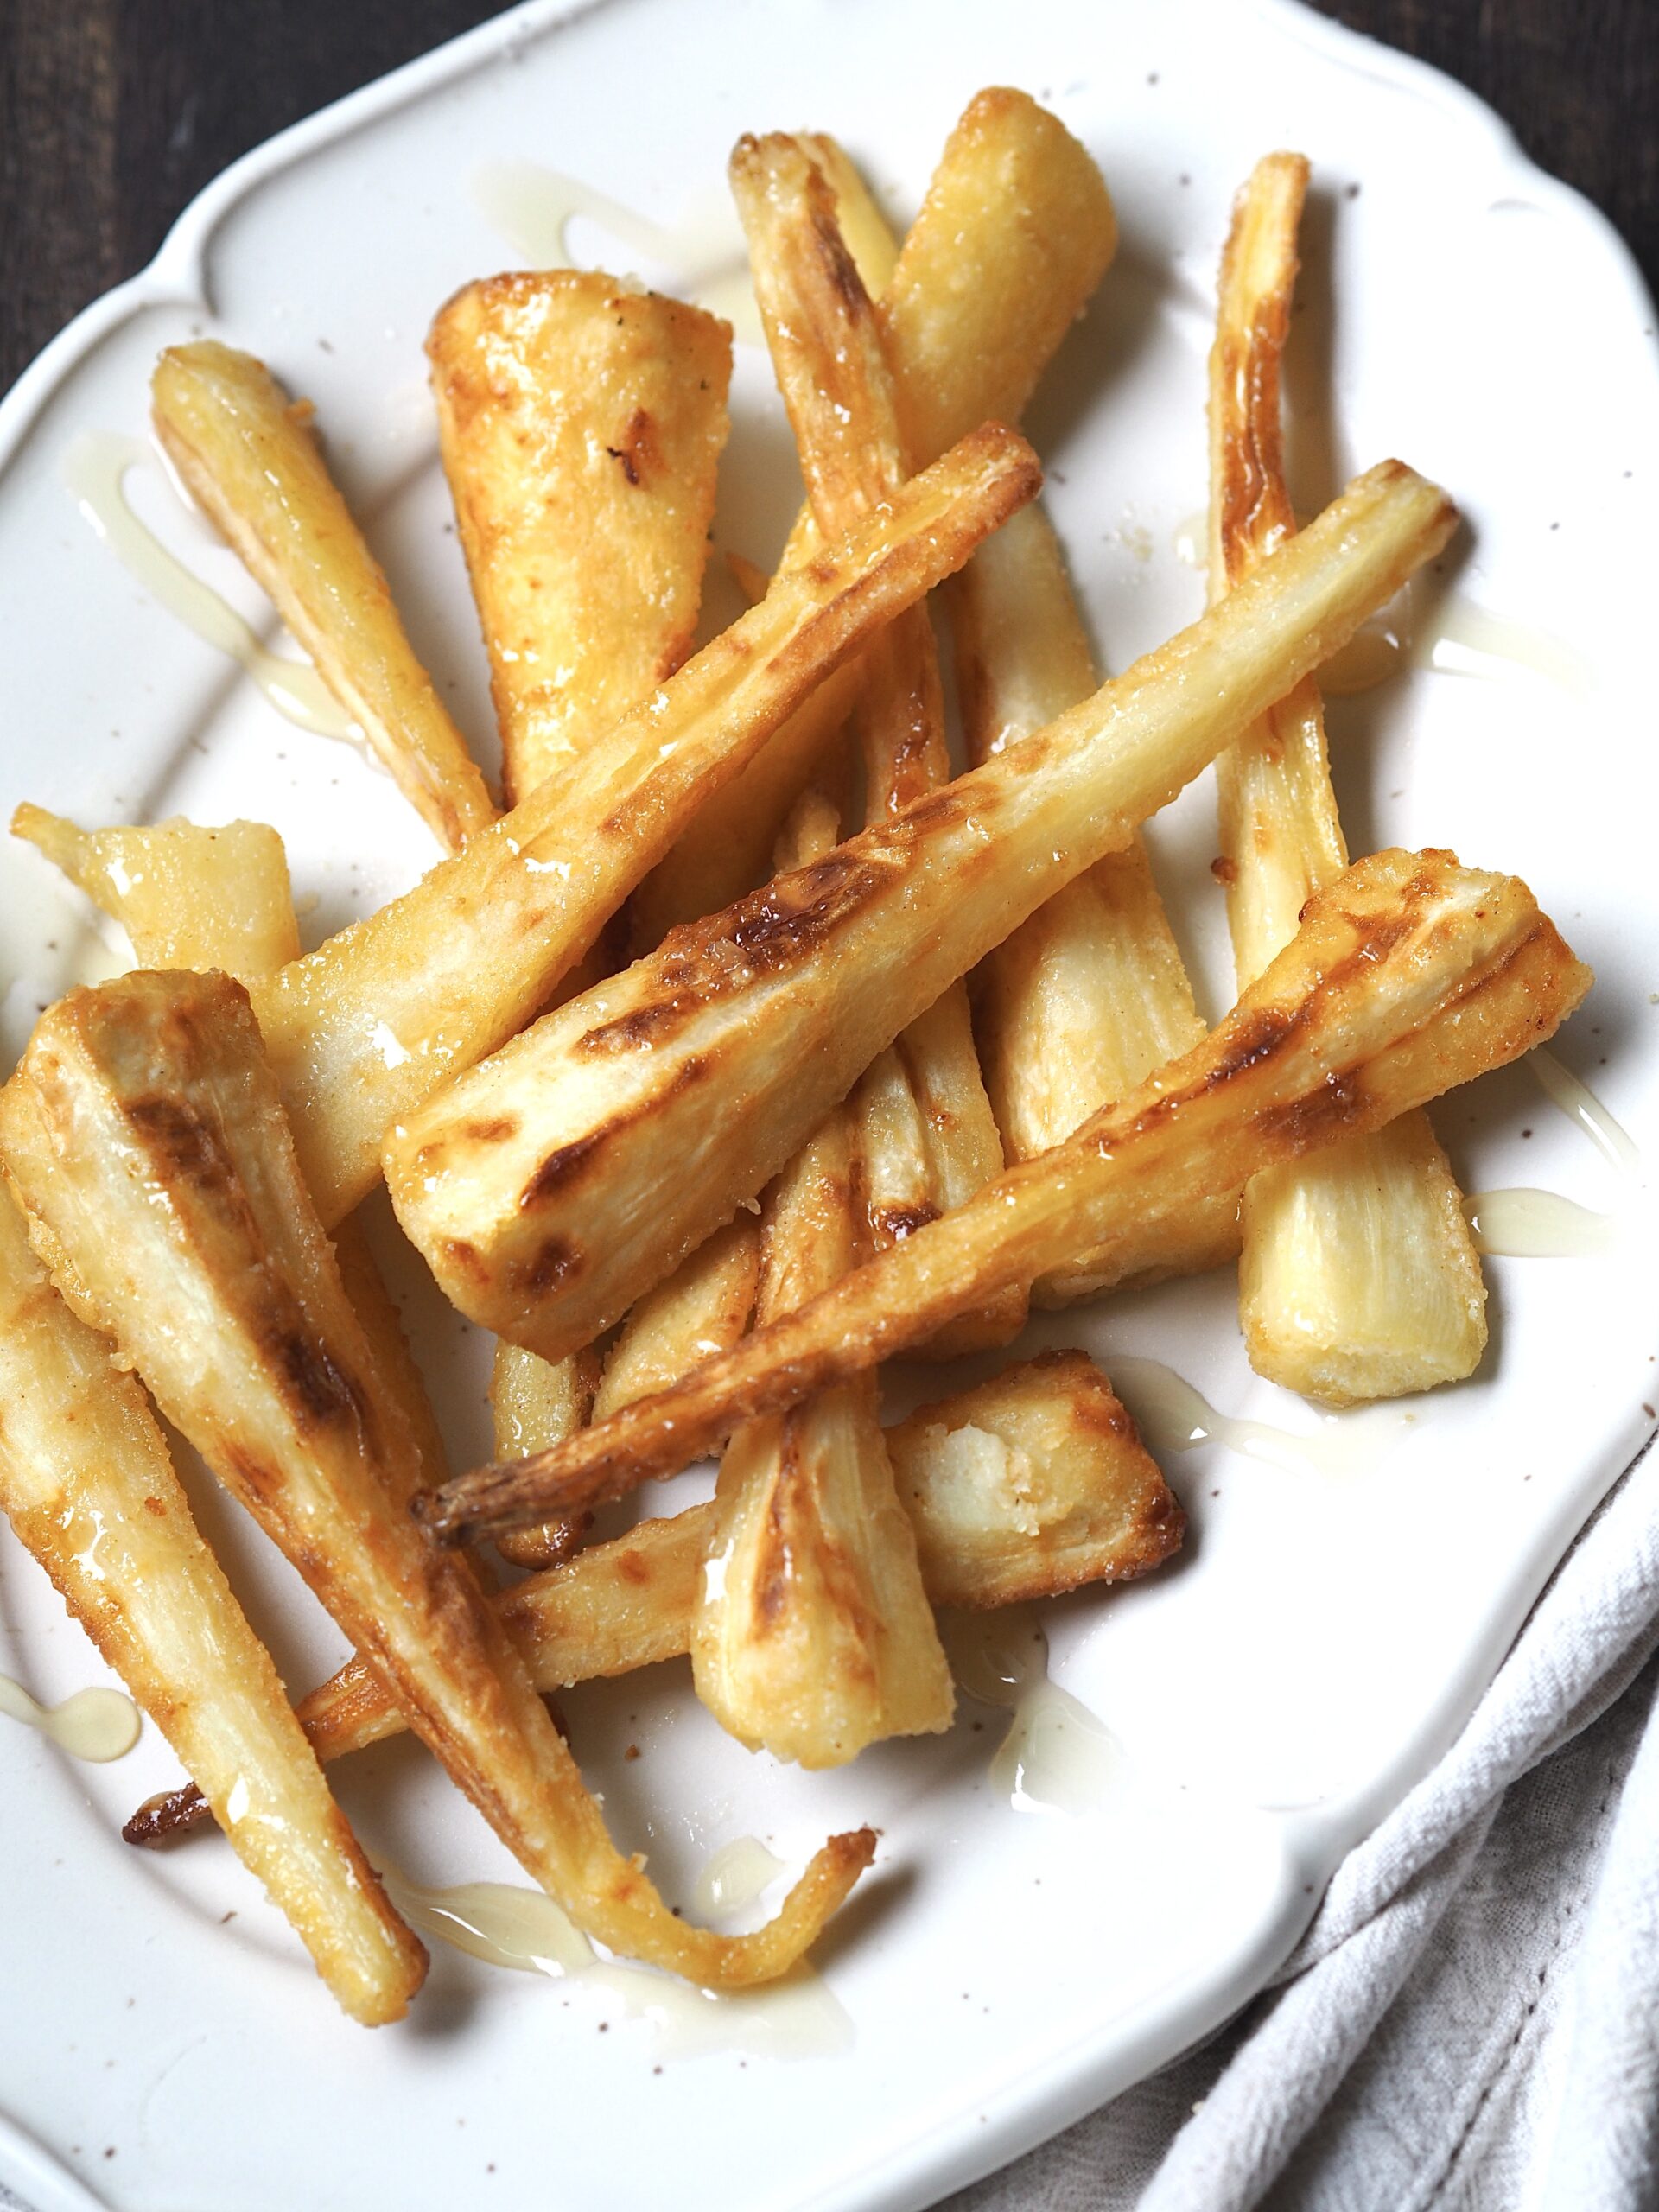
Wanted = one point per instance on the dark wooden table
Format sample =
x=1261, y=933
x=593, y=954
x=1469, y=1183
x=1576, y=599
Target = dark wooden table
x=113, y=113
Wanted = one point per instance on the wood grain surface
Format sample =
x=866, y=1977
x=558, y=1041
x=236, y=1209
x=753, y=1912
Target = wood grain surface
x=113, y=113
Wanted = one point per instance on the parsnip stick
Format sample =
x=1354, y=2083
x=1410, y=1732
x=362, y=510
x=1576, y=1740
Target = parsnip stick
x=703, y=1307
x=147, y=1139
x=922, y=1131
x=1408, y=976
x=89, y=1489
x=971, y=326
x=187, y=897
x=812, y=1635
x=190, y=897
x=1088, y=995
x=361, y=1030
x=1032, y=1482
x=1029, y=1484
x=724, y=850
x=1359, y=1277
x=1015, y=231
x=581, y=424
x=537, y=1403
x=550, y=1186
x=251, y=461
x=88, y=1485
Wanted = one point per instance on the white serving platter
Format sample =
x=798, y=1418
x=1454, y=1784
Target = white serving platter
x=164, y=2043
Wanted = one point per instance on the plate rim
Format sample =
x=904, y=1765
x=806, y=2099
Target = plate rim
x=1046, y=2099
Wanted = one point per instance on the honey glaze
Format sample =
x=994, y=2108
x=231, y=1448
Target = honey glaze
x=1526, y=1225
x=96, y=1724
x=1174, y=1416
x=1057, y=1757
x=507, y=1924
x=1458, y=639
x=95, y=470
x=1587, y=1113
x=534, y=208
x=737, y=1876
x=1523, y=1224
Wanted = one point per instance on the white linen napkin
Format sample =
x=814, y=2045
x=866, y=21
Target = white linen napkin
x=1471, y=2022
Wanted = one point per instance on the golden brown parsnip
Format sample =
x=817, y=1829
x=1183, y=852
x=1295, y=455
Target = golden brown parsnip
x=1029, y=1484
x=1090, y=994
x=969, y=331
x=703, y=1307
x=921, y=1127
x=88, y=1486
x=361, y=1030
x=1359, y=1277
x=252, y=462
x=1408, y=976
x=538, y=1403
x=550, y=1185
x=147, y=1138
x=80, y=1450
x=187, y=896
x=812, y=1635
x=580, y=423
x=1014, y=233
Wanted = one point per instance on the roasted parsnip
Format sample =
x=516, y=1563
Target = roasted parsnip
x=550, y=1186
x=970, y=330
x=703, y=1307
x=196, y=897
x=921, y=1127
x=190, y=897
x=83, y=1466
x=1359, y=1277
x=812, y=1635
x=1029, y=1484
x=580, y=423
x=89, y=1489
x=538, y=1403
x=186, y=896
x=250, y=459
x=1090, y=994
x=1408, y=976
x=361, y=1030
x=1013, y=236
x=146, y=1137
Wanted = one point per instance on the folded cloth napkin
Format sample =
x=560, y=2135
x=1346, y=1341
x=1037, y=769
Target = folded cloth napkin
x=1471, y=2022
